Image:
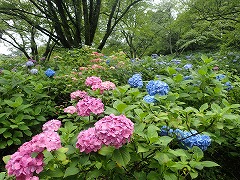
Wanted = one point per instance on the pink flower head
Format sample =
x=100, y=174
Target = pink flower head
x=215, y=68
x=22, y=165
x=88, y=105
x=96, y=66
x=93, y=80
x=49, y=140
x=96, y=60
x=114, y=130
x=83, y=68
x=107, y=85
x=88, y=142
x=52, y=125
x=78, y=94
x=70, y=109
x=97, y=54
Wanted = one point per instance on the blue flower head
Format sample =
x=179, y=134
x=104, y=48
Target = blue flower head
x=49, y=72
x=157, y=87
x=29, y=63
x=149, y=99
x=178, y=69
x=135, y=81
x=176, y=61
x=228, y=86
x=107, y=61
x=187, y=77
x=154, y=56
x=187, y=66
x=220, y=77
x=166, y=131
x=33, y=71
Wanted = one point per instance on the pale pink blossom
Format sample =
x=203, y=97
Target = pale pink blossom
x=93, y=80
x=88, y=142
x=89, y=105
x=70, y=109
x=114, y=130
x=83, y=68
x=52, y=125
x=107, y=85
x=78, y=94
x=97, y=60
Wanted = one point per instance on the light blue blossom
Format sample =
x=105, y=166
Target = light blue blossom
x=157, y=87
x=154, y=56
x=149, y=99
x=136, y=81
x=187, y=66
x=107, y=61
x=49, y=72
x=220, y=77
x=187, y=77
x=29, y=63
x=228, y=86
x=33, y=71
x=178, y=69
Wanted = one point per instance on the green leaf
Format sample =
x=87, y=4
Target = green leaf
x=18, y=101
x=55, y=173
x=110, y=110
x=171, y=70
x=203, y=107
x=178, y=78
x=209, y=164
x=230, y=116
x=121, y=156
x=152, y=133
x=23, y=127
x=2, y=175
x=6, y=158
x=7, y=134
x=170, y=176
x=106, y=150
x=2, y=130
x=9, y=142
x=178, y=152
x=37, y=110
x=60, y=155
x=198, y=153
x=120, y=106
x=47, y=156
x=162, y=158
x=194, y=175
x=203, y=70
x=164, y=140
x=153, y=176
x=142, y=149
x=71, y=171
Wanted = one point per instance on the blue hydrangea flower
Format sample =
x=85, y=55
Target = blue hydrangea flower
x=176, y=61
x=178, y=69
x=49, y=72
x=186, y=138
x=136, y=81
x=187, y=77
x=228, y=86
x=29, y=63
x=157, y=87
x=235, y=60
x=108, y=62
x=220, y=77
x=33, y=71
x=187, y=66
x=149, y=99
x=154, y=56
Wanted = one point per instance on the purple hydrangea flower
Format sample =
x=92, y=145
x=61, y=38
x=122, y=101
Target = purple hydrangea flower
x=33, y=71
x=29, y=63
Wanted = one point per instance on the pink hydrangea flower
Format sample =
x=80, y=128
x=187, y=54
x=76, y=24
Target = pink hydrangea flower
x=47, y=139
x=93, y=80
x=22, y=165
x=89, y=105
x=88, y=142
x=114, y=130
x=78, y=94
x=52, y=125
x=107, y=85
x=70, y=109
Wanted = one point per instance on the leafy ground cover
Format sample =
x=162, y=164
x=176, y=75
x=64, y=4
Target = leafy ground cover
x=85, y=115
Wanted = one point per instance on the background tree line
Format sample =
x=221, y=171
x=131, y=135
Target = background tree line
x=136, y=26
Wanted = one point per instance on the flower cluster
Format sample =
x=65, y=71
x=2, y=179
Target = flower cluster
x=96, y=83
x=49, y=72
x=187, y=66
x=76, y=95
x=136, y=81
x=89, y=105
x=187, y=77
x=220, y=77
x=149, y=99
x=70, y=109
x=228, y=86
x=186, y=138
x=29, y=64
x=157, y=87
x=34, y=71
x=110, y=131
x=22, y=164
